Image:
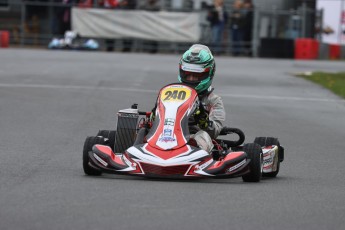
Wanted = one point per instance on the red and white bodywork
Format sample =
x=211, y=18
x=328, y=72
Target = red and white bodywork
x=166, y=152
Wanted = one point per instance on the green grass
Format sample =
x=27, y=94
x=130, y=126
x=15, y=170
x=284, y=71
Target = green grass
x=332, y=81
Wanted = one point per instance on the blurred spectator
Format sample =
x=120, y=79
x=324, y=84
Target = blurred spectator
x=33, y=15
x=32, y=28
x=151, y=5
x=248, y=26
x=62, y=19
x=127, y=5
x=121, y=5
x=237, y=20
x=217, y=16
x=108, y=3
x=85, y=3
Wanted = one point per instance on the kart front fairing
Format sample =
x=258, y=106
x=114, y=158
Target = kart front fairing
x=175, y=104
x=166, y=152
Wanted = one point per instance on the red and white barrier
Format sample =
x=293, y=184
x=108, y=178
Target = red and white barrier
x=4, y=39
x=306, y=48
x=311, y=49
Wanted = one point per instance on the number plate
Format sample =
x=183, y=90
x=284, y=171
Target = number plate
x=172, y=94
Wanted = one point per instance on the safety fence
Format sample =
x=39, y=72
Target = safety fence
x=274, y=33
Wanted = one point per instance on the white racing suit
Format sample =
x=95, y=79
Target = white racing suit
x=216, y=112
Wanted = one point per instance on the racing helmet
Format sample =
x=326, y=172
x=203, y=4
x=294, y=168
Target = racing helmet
x=197, y=68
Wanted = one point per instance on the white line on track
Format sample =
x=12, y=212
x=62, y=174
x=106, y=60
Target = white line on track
x=282, y=98
x=154, y=91
x=73, y=87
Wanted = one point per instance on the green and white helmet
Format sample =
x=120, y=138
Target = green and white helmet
x=197, y=61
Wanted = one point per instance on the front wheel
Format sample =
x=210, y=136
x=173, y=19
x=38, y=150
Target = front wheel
x=110, y=137
x=88, y=144
x=254, y=153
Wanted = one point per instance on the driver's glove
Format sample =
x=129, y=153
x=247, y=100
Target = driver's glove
x=202, y=119
x=203, y=123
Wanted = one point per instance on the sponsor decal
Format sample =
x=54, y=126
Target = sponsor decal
x=269, y=157
x=100, y=160
x=268, y=161
x=267, y=167
x=237, y=166
x=268, y=154
x=167, y=133
x=167, y=139
x=192, y=68
x=169, y=121
x=205, y=164
x=177, y=86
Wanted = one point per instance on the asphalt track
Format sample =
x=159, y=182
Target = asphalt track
x=50, y=101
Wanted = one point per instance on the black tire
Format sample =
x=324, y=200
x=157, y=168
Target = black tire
x=89, y=143
x=254, y=153
x=268, y=141
x=110, y=135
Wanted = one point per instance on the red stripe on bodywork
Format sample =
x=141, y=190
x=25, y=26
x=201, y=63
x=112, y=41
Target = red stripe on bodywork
x=233, y=155
x=166, y=154
x=161, y=113
x=108, y=151
x=181, y=111
x=229, y=157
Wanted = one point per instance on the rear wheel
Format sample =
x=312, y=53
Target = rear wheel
x=109, y=135
x=269, y=141
x=254, y=153
x=89, y=143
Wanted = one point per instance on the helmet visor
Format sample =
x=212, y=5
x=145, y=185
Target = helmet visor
x=193, y=77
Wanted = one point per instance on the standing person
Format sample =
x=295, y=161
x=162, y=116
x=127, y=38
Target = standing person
x=109, y=4
x=128, y=4
x=62, y=18
x=151, y=5
x=197, y=69
x=236, y=27
x=248, y=26
x=32, y=21
x=217, y=17
x=66, y=15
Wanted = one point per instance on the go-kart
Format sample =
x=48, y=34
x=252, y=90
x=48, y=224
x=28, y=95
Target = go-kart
x=159, y=144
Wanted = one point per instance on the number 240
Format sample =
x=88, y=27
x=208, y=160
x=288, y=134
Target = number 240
x=179, y=95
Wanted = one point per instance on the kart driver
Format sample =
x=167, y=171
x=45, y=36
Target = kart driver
x=197, y=69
